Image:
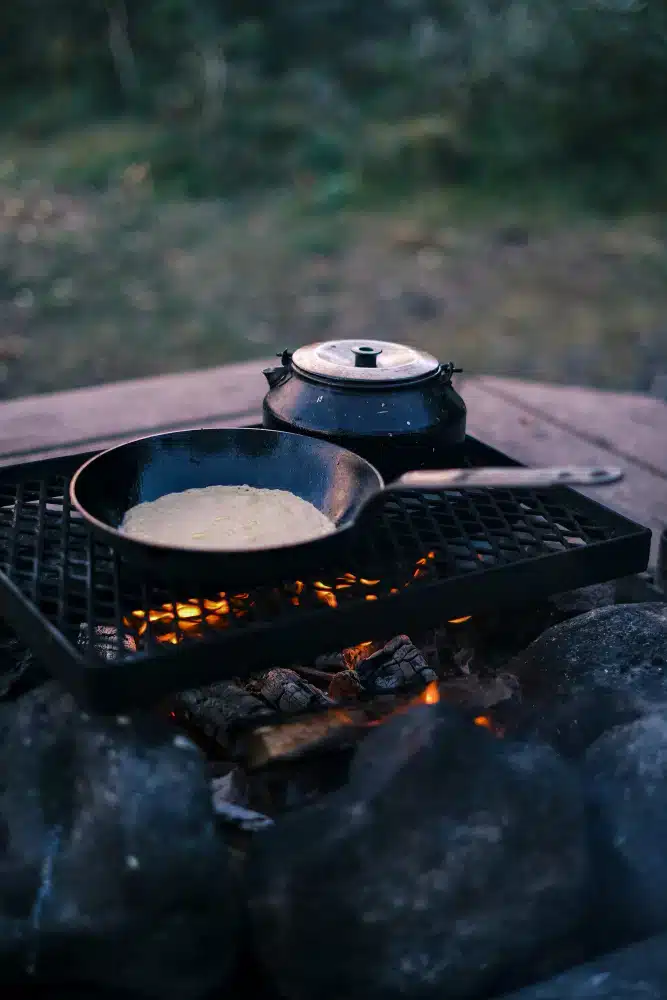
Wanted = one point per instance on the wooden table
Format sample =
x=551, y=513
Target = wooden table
x=533, y=422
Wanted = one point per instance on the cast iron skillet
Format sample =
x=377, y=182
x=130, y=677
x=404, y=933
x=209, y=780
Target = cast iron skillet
x=331, y=478
x=335, y=480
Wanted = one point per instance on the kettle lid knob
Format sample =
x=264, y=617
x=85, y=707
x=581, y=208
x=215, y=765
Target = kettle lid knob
x=366, y=356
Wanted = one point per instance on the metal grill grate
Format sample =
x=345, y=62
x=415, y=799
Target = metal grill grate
x=118, y=642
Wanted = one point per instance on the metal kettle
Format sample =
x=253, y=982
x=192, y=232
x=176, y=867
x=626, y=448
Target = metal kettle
x=388, y=402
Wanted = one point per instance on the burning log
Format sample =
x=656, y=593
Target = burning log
x=338, y=728
x=398, y=664
x=353, y=655
x=345, y=686
x=335, y=709
x=226, y=712
x=216, y=709
x=219, y=711
x=333, y=730
x=347, y=658
x=287, y=692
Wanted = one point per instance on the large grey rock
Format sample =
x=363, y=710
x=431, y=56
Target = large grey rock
x=449, y=859
x=626, y=782
x=111, y=871
x=636, y=973
x=591, y=673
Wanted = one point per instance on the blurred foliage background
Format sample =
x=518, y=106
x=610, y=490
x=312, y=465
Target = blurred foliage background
x=187, y=183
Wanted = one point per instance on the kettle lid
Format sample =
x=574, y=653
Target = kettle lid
x=359, y=361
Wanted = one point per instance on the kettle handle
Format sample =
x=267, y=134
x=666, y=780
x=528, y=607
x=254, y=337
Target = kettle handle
x=447, y=370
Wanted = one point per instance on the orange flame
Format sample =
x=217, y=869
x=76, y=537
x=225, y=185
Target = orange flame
x=353, y=655
x=431, y=695
x=483, y=720
x=173, y=622
x=422, y=566
x=342, y=717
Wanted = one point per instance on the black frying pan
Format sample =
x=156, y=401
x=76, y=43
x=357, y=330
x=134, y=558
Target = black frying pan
x=335, y=480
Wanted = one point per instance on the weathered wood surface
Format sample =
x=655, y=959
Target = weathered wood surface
x=627, y=424
x=103, y=415
x=534, y=439
x=533, y=422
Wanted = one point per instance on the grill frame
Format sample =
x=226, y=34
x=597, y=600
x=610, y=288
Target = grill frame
x=39, y=610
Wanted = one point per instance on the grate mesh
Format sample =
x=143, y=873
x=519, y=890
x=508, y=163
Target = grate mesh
x=426, y=553
x=46, y=550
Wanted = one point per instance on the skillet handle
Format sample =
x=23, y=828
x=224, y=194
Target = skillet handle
x=506, y=477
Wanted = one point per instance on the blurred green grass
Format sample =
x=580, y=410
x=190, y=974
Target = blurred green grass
x=188, y=184
x=105, y=274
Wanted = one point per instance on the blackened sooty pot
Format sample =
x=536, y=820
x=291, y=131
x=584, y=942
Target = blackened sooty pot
x=394, y=405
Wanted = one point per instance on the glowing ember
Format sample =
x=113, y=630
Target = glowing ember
x=430, y=696
x=340, y=716
x=353, y=655
x=327, y=597
x=422, y=566
x=487, y=723
x=171, y=623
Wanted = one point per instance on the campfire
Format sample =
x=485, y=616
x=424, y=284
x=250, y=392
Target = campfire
x=285, y=715
x=286, y=721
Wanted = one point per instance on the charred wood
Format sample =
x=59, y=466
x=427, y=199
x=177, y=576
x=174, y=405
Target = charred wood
x=218, y=709
x=398, y=664
x=345, y=686
x=316, y=734
x=285, y=691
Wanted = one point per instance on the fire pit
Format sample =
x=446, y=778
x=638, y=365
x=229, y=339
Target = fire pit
x=436, y=773
x=338, y=772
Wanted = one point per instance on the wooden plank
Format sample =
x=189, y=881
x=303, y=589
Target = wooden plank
x=627, y=424
x=101, y=444
x=533, y=440
x=65, y=422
